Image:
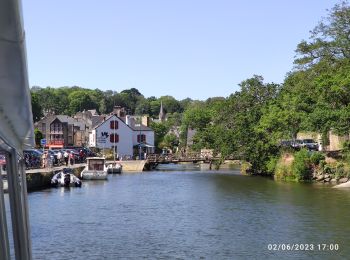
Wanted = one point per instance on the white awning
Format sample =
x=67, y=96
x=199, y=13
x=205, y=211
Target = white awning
x=16, y=125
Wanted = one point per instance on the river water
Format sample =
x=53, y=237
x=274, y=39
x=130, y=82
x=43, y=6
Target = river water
x=181, y=212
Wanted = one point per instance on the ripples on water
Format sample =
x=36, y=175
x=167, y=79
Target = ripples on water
x=184, y=213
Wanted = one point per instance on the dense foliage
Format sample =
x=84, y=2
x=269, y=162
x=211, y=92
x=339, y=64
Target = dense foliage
x=70, y=100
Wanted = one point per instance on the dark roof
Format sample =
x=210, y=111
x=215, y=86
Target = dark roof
x=134, y=128
x=80, y=123
x=46, y=119
x=104, y=119
x=143, y=128
x=96, y=120
x=65, y=119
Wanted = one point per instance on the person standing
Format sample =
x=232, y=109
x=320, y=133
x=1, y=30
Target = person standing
x=43, y=159
x=71, y=158
x=59, y=158
x=66, y=155
x=81, y=156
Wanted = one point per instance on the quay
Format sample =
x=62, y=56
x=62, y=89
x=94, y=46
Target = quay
x=41, y=178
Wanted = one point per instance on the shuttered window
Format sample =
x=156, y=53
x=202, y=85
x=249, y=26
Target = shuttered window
x=141, y=138
x=114, y=138
x=114, y=124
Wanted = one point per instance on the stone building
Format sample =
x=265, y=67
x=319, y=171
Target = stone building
x=63, y=131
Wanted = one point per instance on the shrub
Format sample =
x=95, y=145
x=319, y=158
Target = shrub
x=328, y=169
x=316, y=158
x=346, y=150
x=346, y=146
x=283, y=172
x=301, y=166
x=322, y=164
x=245, y=167
x=271, y=165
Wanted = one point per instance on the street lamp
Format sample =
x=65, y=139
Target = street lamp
x=140, y=138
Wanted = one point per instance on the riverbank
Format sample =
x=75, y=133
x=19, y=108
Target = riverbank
x=312, y=166
x=41, y=178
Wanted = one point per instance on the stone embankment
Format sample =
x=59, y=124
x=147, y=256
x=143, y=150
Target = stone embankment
x=41, y=178
x=329, y=178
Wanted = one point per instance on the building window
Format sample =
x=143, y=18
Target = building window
x=114, y=138
x=114, y=124
x=141, y=138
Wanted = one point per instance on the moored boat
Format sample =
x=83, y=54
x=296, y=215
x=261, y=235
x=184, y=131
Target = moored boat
x=114, y=168
x=95, y=169
x=65, y=178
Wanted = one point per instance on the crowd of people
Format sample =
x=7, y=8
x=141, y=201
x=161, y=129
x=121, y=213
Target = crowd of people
x=50, y=158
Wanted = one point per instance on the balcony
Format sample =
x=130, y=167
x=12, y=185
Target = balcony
x=56, y=143
x=56, y=131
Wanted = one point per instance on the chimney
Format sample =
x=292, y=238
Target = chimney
x=145, y=120
x=130, y=121
x=119, y=111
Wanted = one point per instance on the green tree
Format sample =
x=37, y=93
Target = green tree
x=171, y=141
x=38, y=136
x=329, y=40
x=170, y=104
x=80, y=100
x=160, y=130
x=36, y=107
x=197, y=117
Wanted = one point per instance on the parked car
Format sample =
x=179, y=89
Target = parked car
x=297, y=144
x=53, y=157
x=32, y=158
x=88, y=152
x=310, y=144
x=286, y=143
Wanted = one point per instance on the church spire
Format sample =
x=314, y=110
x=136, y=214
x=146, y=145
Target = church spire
x=161, y=112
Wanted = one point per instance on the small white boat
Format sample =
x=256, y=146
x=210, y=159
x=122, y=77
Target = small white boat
x=95, y=169
x=65, y=178
x=5, y=185
x=114, y=168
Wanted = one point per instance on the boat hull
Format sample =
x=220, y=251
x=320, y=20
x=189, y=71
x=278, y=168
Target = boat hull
x=65, y=180
x=94, y=175
x=114, y=168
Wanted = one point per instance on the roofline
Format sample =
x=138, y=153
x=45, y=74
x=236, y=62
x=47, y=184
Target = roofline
x=110, y=116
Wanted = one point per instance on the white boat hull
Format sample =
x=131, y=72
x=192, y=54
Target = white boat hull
x=94, y=175
x=65, y=180
x=114, y=168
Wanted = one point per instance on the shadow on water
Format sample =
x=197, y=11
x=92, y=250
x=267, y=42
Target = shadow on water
x=178, y=167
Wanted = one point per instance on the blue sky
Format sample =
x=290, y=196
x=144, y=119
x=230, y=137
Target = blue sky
x=183, y=48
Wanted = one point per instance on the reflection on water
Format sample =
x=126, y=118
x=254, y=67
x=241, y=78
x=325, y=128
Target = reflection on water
x=180, y=212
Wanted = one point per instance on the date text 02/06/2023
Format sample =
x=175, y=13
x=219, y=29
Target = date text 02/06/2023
x=303, y=247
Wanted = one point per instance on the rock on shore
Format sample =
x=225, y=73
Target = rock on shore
x=343, y=185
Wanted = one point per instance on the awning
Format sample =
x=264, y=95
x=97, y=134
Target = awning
x=16, y=127
x=144, y=145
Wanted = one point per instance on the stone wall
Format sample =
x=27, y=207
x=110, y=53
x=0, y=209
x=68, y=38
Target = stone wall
x=335, y=142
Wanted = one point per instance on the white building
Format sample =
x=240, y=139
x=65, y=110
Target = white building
x=122, y=134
